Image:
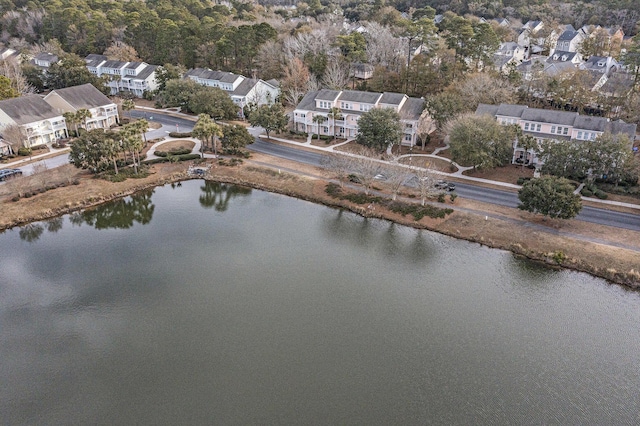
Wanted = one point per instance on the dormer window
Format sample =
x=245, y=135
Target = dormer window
x=555, y=57
x=564, y=57
x=601, y=64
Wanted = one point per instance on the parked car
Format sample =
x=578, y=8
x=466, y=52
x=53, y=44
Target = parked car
x=9, y=173
x=447, y=186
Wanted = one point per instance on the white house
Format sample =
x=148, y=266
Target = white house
x=508, y=53
x=569, y=41
x=554, y=125
x=132, y=77
x=242, y=90
x=352, y=104
x=104, y=113
x=41, y=122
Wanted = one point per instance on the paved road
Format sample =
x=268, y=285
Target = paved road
x=169, y=123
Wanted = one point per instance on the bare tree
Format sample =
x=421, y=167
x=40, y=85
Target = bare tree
x=336, y=75
x=271, y=60
x=12, y=69
x=366, y=168
x=295, y=82
x=39, y=174
x=121, y=51
x=383, y=48
x=426, y=126
x=426, y=184
x=395, y=175
x=340, y=164
x=488, y=89
x=15, y=137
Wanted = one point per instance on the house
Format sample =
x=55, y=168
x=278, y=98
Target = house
x=362, y=71
x=569, y=41
x=45, y=60
x=559, y=56
x=130, y=77
x=352, y=104
x=508, y=53
x=41, y=122
x=242, y=90
x=7, y=53
x=104, y=113
x=552, y=125
x=601, y=64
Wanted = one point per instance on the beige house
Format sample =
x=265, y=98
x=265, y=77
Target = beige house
x=104, y=113
x=352, y=104
x=40, y=122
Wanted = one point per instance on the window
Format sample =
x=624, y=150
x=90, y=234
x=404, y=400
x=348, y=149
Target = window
x=553, y=129
x=407, y=137
x=345, y=105
x=526, y=126
x=565, y=131
x=579, y=135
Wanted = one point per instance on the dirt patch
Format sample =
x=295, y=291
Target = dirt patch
x=438, y=164
x=175, y=145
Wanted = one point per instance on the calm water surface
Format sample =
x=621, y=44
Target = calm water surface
x=212, y=304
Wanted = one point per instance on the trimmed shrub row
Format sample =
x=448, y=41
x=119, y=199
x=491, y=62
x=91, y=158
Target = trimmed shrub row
x=180, y=134
x=178, y=151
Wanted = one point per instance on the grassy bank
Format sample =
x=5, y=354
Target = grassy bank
x=574, y=244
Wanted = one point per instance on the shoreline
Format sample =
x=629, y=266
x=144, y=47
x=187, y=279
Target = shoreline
x=492, y=230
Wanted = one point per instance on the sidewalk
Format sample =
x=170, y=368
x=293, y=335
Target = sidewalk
x=52, y=153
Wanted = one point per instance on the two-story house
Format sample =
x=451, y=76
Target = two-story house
x=104, y=113
x=508, y=53
x=552, y=125
x=131, y=77
x=242, y=90
x=351, y=105
x=40, y=122
x=569, y=41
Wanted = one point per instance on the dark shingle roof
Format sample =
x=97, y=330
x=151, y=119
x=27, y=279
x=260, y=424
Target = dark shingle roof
x=357, y=96
x=245, y=87
x=113, y=64
x=412, y=108
x=207, y=74
x=327, y=95
x=484, y=109
x=568, y=35
x=309, y=101
x=146, y=72
x=391, y=98
x=49, y=57
x=133, y=65
x=549, y=116
x=28, y=109
x=83, y=96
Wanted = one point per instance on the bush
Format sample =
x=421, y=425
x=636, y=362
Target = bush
x=522, y=180
x=586, y=192
x=24, y=151
x=601, y=194
x=180, y=134
x=441, y=197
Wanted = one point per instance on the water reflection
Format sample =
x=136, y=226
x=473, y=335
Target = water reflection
x=396, y=242
x=119, y=214
x=55, y=224
x=31, y=232
x=218, y=195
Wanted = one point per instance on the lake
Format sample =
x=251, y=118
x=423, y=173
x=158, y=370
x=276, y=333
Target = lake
x=207, y=303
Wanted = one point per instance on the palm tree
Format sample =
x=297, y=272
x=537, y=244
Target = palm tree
x=128, y=105
x=319, y=119
x=206, y=130
x=334, y=114
x=70, y=118
x=82, y=115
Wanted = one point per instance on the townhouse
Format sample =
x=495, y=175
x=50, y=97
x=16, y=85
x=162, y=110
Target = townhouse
x=352, y=104
x=40, y=122
x=131, y=77
x=242, y=90
x=104, y=113
x=552, y=125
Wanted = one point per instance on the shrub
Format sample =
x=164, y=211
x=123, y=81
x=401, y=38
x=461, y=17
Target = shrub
x=586, y=192
x=180, y=134
x=441, y=197
x=453, y=196
x=522, y=180
x=601, y=194
x=24, y=151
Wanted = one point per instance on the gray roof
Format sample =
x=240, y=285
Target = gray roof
x=273, y=82
x=485, y=109
x=391, y=98
x=95, y=57
x=133, y=65
x=565, y=118
x=113, y=64
x=560, y=54
x=327, y=95
x=49, y=57
x=358, y=96
x=28, y=109
x=309, y=101
x=556, y=68
x=83, y=96
x=549, y=116
x=146, y=72
x=95, y=63
x=245, y=87
x=412, y=108
x=207, y=74
x=568, y=35
x=501, y=60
